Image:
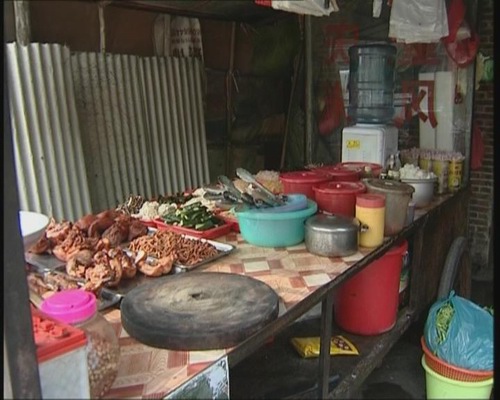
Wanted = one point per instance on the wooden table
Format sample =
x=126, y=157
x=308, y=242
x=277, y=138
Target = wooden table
x=302, y=280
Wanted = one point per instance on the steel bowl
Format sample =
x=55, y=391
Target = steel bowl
x=424, y=190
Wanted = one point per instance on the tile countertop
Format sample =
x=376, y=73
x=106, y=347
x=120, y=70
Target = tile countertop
x=293, y=272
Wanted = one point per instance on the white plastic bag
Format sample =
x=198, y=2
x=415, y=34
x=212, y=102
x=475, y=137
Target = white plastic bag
x=306, y=7
x=418, y=21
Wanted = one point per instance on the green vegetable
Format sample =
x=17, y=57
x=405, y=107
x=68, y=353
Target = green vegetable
x=443, y=319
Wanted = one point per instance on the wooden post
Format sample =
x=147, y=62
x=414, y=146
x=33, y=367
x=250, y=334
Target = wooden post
x=22, y=19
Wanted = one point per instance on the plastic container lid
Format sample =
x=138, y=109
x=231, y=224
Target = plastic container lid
x=70, y=306
x=335, y=187
x=304, y=177
x=339, y=172
x=390, y=186
x=369, y=200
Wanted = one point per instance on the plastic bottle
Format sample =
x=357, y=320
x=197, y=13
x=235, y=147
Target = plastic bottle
x=370, y=211
x=79, y=308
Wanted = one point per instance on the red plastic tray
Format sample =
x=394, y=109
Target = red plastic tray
x=213, y=233
x=232, y=221
x=148, y=222
x=53, y=338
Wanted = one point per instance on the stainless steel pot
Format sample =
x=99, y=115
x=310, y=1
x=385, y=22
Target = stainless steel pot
x=332, y=235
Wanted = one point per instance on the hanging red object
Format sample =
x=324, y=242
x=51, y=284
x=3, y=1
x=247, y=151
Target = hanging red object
x=333, y=114
x=265, y=3
x=461, y=50
x=477, y=148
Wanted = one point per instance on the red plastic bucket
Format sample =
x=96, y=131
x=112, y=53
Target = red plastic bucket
x=302, y=182
x=338, y=198
x=367, y=304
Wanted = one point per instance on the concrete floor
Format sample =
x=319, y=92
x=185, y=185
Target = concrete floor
x=399, y=376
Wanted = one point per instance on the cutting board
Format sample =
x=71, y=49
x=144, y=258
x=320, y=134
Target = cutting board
x=198, y=310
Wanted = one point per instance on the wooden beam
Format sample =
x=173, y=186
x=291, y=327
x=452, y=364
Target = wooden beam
x=22, y=20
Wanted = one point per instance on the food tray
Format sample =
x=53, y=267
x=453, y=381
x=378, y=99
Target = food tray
x=223, y=248
x=232, y=221
x=212, y=233
x=150, y=223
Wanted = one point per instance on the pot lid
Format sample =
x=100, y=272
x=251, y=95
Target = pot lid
x=304, y=177
x=332, y=223
x=389, y=186
x=340, y=187
x=339, y=171
x=360, y=165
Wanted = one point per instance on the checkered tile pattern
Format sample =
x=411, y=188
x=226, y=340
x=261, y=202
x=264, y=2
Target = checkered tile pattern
x=293, y=272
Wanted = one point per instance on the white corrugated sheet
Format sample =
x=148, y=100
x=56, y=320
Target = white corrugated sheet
x=49, y=161
x=91, y=129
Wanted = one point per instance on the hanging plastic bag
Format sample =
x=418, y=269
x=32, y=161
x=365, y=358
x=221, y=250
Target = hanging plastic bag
x=460, y=333
x=418, y=21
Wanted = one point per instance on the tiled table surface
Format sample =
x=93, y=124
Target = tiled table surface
x=293, y=272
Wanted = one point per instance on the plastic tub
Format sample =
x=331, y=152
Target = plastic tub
x=338, y=197
x=371, y=83
x=440, y=387
x=367, y=303
x=303, y=182
x=340, y=173
x=397, y=197
x=274, y=229
x=451, y=371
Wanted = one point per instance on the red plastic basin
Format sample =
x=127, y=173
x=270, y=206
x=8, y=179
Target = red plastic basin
x=367, y=303
x=303, y=182
x=338, y=197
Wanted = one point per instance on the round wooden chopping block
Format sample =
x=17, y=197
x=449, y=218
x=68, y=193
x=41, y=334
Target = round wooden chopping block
x=198, y=310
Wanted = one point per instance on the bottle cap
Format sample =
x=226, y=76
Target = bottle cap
x=70, y=306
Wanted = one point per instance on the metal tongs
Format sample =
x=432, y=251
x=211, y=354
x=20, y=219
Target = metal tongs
x=259, y=191
x=232, y=193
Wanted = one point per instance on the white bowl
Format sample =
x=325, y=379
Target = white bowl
x=424, y=190
x=33, y=226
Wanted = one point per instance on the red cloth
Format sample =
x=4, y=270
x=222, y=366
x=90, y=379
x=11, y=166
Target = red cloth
x=477, y=150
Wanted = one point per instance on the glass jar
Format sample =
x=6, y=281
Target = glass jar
x=79, y=308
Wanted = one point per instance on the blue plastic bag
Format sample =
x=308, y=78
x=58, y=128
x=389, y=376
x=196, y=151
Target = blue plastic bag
x=468, y=342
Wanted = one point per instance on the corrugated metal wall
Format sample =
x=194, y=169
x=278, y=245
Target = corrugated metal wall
x=49, y=161
x=92, y=129
x=142, y=124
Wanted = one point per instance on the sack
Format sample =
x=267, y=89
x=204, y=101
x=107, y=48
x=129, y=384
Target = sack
x=460, y=333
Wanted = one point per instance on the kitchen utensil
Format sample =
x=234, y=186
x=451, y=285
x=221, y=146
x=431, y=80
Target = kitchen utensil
x=332, y=235
x=366, y=169
x=294, y=202
x=338, y=197
x=229, y=186
x=424, y=190
x=274, y=229
x=249, y=178
x=199, y=310
x=397, y=196
x=32, y=226
x=339, y=173
x=303, y=182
